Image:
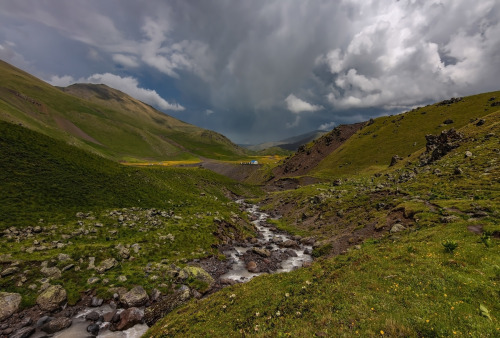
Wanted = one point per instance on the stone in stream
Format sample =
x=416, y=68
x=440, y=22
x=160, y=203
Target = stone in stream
x=94, y=316
x=252, y=267
x=9, y=304
x=291, y=253
x=93, y=329
x=23, y=333
x=56, y=325
x=135, y=297
x=289, y=243
x=129, y=318
x=262, y=252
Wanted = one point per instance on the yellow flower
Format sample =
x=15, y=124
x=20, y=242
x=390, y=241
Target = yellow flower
x=381, y=332
x=427, y=320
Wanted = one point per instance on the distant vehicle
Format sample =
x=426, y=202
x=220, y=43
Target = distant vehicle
x=254, y=162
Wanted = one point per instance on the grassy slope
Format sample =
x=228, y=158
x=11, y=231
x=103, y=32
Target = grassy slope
x=45, y=182
x=124, y=128
x=402, y=284
x=371, y=149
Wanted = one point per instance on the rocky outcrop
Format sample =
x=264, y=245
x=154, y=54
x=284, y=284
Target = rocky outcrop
x=9, y=304
x=198, y=274
x=135, y=297
x=52, y=298
x=439, y=145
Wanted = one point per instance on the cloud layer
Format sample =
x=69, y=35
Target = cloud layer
x=344, y=61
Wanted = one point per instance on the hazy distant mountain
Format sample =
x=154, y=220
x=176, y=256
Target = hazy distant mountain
x=291, y=143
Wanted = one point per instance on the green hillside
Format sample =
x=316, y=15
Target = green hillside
x=371, y=149
x=76, y=200
x=410, y=252
x=106, y=121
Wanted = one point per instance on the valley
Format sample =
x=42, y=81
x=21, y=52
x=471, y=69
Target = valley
x=386, y=227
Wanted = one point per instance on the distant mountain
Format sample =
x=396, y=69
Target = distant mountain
x=291, y=143
x=105, y=121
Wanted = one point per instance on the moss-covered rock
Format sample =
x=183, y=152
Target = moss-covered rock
x=9, y=304
x=52, y=298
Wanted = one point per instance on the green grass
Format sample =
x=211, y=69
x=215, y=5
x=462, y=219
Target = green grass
x=370, y=150
x=171, y=213
x=122, y=126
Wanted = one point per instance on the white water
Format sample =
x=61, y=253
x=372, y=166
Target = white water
x=238, y=271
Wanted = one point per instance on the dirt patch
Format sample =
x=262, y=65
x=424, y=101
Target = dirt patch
x=308, y=158
x=238, y=172
x=477, y=229
x=71, y=128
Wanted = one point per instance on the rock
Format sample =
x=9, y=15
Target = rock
x=23, y=333
x=93, y=329
x=43, y=320
x=9, y=304
x=262, y=252
x=91, y=263
x=291, y=253
x=106, y=265
x=68, y=267
x=398, y=227
x=227, y=281
x=52, y=272
x=289, y=244
x=96, y=302
x=37, y=229
x=458, y=171
x=395, y=159
x=439, y=145
x=155, y=295
x=52, y=298
x=136, y=247
x=93, y=280
x=468, y=154
x=123, y=251
x=122, y=278
x=448, y=121
x=9, y=271
x=166, y=305
x=129, y=318
x=307, y=240
x=108, y=317
x=56, y=325
x=480, y=122
x=63, y=257
x=135, y=297
x=25, y=322
x=94, y=316
x=252, y=267
x=199, y=274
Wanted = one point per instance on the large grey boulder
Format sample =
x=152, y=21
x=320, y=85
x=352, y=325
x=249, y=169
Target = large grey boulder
x=56, y=325
x=135, y=297
x=52, y=298
x=9, y=304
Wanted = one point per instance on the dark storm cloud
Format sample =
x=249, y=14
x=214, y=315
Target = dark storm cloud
x=264, y=69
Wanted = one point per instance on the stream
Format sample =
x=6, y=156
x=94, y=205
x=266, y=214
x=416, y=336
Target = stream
x=273, y=251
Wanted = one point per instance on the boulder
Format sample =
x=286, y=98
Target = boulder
x=398, y=227
x=289, y=244
x=129, y=318
x=9, y=271
x=262, y=252
x=123, y=251
x=9, y=304
x=252, y=267
x=56, y=325
x=52, y=272
x=106, y=265
x=52, y=298
x=167, y=304
x=93, y=329
x=200, y=275
x=135, y=297
x=94, y=316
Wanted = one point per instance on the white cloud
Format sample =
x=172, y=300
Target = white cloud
x=327, y=126
x=128, y=85
x=297, y=106
x=209, y=112
x=126, y=60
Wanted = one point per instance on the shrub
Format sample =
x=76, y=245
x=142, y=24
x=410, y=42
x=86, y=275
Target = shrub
x=449, y=245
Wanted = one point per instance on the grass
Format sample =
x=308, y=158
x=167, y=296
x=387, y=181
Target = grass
x=102, y=120
x=86, y=206
x=436, y=278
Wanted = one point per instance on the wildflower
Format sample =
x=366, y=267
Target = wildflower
x=427, y=320
x=304, y=287
x=224, y=306
x=308, y=282
x=278, y=313
x=232, y=296
x=257, y=314
x=453, y=308
x=298, y=313
x=381, y=332
x=287, y=294
x=256, y=327
x=372, y=309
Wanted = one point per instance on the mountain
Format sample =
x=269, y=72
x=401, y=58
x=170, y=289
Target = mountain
x=291, y=143
x=105, y=121
x=367, y=148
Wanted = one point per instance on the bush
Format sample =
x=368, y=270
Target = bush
x=449, y=246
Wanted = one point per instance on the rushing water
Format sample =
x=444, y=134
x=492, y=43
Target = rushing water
x=268, y=237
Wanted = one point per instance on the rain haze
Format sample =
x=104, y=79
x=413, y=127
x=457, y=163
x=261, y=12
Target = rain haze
x=259, y=71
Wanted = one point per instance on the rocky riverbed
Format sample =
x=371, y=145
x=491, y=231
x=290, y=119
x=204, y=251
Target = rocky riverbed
x=131, y=312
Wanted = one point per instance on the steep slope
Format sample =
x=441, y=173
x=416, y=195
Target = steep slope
x=105, y=121
x=291, y=143
x=371, y=149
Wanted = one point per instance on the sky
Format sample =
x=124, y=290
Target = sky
x=262, y=70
